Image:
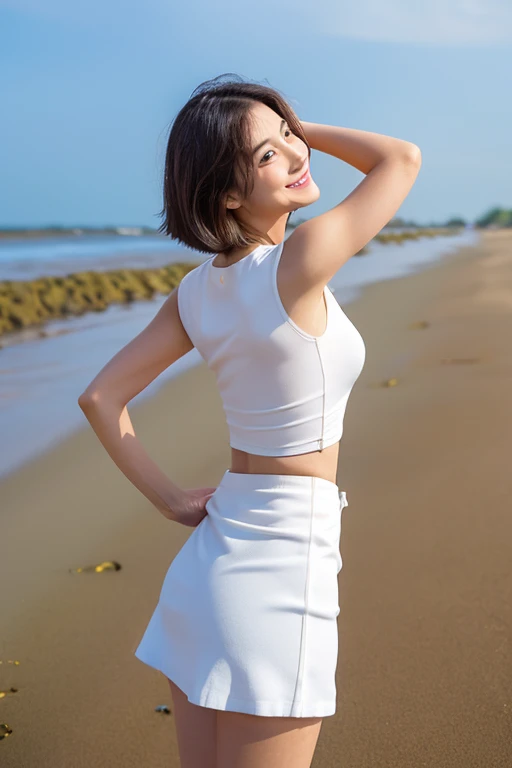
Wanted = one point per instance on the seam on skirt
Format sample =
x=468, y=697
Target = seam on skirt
x=299, y=683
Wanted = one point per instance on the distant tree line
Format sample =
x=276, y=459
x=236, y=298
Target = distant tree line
x=494, y=218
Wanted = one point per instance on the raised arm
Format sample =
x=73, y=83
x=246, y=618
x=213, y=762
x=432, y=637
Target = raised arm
x=318, y=247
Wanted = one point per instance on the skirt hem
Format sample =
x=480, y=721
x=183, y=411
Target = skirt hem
x=212, y=699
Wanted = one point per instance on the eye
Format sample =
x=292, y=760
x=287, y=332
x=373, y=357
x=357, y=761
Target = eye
x=271, y=150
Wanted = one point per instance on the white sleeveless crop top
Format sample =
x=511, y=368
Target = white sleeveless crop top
x=284, y=391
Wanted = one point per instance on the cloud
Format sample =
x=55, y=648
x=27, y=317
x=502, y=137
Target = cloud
x=437, y=22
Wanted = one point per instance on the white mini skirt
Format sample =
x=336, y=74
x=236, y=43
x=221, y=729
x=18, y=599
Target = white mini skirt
x=246, y=619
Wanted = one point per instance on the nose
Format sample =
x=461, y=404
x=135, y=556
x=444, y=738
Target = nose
x=302, y=163
x=296, y=150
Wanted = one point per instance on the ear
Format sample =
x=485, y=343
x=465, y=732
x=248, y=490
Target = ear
x=232, y=203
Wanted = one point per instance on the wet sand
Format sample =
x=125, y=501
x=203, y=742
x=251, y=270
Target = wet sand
x=425, y=669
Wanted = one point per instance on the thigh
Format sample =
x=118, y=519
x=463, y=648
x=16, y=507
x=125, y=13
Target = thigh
x=195, y=731
x=254, y=741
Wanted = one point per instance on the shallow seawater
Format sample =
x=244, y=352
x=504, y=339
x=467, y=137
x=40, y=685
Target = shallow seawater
x=41, y=378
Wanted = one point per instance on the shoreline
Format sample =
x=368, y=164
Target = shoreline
x=41, y=378
x=425, y=588
x=28, y=305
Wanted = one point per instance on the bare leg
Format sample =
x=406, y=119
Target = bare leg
x=254, y=741
x=195, y=729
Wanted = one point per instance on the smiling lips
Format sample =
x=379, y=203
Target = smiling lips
x=304, y=179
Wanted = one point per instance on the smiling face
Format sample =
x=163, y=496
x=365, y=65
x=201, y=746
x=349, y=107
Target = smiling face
x=280, y=158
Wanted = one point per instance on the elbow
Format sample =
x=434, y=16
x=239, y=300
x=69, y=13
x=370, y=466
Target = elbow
x=413, y=154
x=87, y=399
x=93, y=399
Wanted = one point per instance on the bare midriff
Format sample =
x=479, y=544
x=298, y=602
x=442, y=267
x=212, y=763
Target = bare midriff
x=316, y=463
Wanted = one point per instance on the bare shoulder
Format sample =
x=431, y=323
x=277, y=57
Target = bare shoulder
x=319, y=247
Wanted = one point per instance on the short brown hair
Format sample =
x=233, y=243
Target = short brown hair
x=208, y=154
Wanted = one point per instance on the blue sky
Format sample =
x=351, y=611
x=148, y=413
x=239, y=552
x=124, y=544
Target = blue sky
x=89, y=90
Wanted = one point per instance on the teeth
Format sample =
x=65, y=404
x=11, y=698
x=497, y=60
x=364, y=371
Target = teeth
x=299, y=183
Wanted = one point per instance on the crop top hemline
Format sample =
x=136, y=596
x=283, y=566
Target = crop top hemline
x=295, y=450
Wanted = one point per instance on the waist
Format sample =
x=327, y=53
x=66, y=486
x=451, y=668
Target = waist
x=288, y=507
x=322, y=464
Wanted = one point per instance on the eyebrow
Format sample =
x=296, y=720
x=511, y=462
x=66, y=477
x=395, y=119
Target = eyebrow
x=283, y=122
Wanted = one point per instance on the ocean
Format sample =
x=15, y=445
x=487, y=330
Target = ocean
x=41, y=378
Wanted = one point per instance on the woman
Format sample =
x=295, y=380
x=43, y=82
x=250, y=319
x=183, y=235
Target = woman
x=245, y=628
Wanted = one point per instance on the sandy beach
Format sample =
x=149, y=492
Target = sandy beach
x=424, y=674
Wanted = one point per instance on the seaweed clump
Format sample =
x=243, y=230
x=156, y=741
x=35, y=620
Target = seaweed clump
x=25, y=304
